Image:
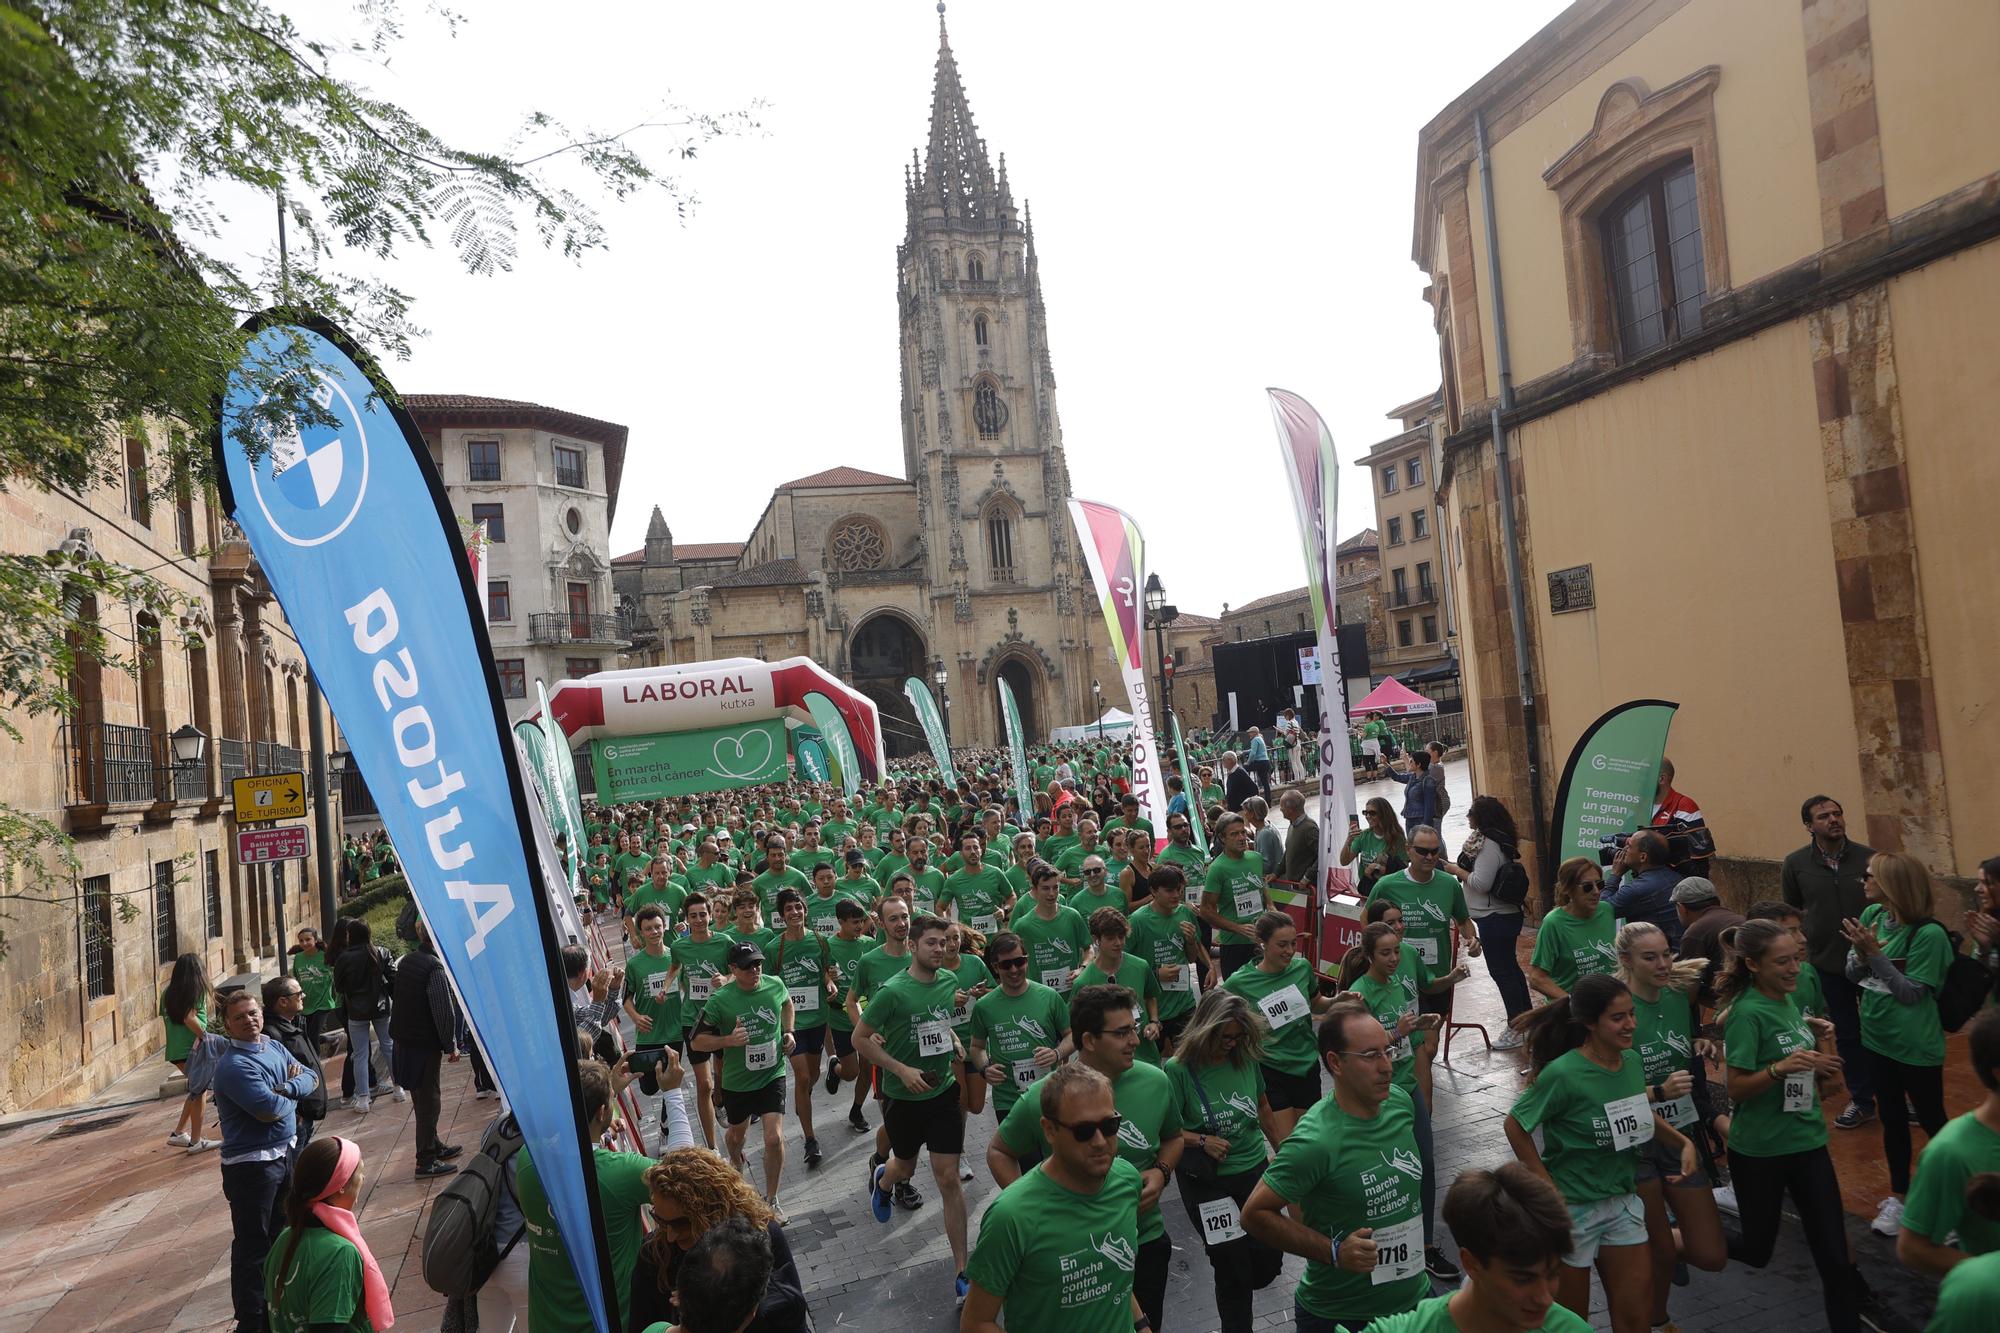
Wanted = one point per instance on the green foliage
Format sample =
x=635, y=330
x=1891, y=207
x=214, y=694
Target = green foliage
x=389, y=888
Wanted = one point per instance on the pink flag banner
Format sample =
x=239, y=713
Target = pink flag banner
x=1116, y=555
x=1314, y=473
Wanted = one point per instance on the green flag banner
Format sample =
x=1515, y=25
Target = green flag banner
x=1609, y=782
x=919, y=695
x=643, y=768
x=809, y=755
x=1017, y=751
x=1195, y=821
x=846, y=764
x=559, y=776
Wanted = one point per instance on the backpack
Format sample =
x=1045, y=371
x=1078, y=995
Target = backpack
x=1443, y=793
x=460, y=1251
x=1966, y=983
x=1510, y=886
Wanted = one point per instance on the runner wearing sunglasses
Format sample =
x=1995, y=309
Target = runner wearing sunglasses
x=1020, y=1031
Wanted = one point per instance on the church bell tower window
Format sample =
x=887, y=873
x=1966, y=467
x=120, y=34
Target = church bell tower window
x=989, y=414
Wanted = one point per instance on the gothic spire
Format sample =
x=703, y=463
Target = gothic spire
x=957, y=175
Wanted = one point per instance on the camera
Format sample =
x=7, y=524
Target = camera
x=1686, y=845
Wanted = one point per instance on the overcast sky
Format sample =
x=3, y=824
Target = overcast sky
x=1222, y=199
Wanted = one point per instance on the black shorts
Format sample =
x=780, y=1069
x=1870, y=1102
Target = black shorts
x=937, y=1123
x=1297, y=1092
x=767, y=1100
x=690, y=1054
x=843, y=1041
x=1434, y=1004
x=1171, y=1028
x=809, y=1041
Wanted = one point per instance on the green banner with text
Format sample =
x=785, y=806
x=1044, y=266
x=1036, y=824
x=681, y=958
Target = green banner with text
x=1610, y=780
x=642, y=768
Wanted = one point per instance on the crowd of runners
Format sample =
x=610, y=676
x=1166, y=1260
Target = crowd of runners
x=1148, y=1031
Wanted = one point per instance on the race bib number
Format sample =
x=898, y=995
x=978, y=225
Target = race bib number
x=1399, y=1251
x=698, y=988
x=1426, y=949
x=933, y=1039
x=1025, y=1072
x=1679, y=1112
x=1249, y=901
x=1631, y=1121
x=1055, y=978
x=761, y=1055
x=1401, y=1050
x=1192, y=893
x=827, y=925
x=1219, y=1223
x=804, y=999
x=986, y=925
x=1182, y=979
x=656, y=986
x=1875, y=983
x=1284, y=1005
x=1798, y=1092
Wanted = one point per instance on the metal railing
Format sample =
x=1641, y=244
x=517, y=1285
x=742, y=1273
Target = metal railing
x=1422, y=595
x=576, y=627
x=110, y=764
x=232, y=760
x=284, y=759
x=355, y=798
x=190, y=781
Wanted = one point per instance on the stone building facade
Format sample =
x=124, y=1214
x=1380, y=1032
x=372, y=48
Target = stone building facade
x=155, y=872
x=969, y=556
x=1414, y=611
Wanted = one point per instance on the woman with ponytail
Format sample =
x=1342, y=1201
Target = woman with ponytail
x=1587, y=1094
x=1780, y=1065
x=1681, y=1220
x=320, y=1275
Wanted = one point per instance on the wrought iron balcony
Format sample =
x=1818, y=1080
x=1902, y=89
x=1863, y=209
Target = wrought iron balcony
x=1422, y=595
x=558, y=627
x=110, y=764
x=232, y=760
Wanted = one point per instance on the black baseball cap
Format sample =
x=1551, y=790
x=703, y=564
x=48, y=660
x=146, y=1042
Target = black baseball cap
x=743, y=953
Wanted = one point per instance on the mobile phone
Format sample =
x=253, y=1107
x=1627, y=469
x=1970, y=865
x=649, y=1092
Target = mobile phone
x=646, y=1061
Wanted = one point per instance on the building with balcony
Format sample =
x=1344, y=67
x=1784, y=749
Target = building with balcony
x=90, y=941
x=544, y=483
x=1413, y=640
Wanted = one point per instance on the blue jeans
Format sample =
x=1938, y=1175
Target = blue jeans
x=1843, y=1006
x=357, y=1050
x=253, y=1190
x=1498, y=934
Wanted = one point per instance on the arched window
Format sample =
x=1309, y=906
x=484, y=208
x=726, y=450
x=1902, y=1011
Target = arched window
x=979, y=330
x=975, y=268
x=1000, y=544
x=989, y=413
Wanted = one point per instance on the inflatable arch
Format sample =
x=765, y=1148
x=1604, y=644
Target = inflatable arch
x=650, y=703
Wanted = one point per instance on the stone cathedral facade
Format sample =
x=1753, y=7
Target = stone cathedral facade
x=969, y=556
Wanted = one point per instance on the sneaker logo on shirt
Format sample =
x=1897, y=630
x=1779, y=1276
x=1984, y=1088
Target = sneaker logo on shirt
x=1243, y=1103
x=1134, y=1137
x=1408, y=1163
x=1677, y=1042
x=1034, y=1029
x=1431, y=910
x=1117, y=1249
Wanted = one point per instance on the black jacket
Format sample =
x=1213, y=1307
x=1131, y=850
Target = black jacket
x=783, y=1309
x=362, y=978
x=1238, y=787
x=423, y=1015
x=305, y=1051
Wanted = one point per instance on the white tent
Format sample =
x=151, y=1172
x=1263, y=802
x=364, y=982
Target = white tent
x=1115, y=723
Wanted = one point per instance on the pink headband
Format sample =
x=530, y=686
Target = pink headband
x=350, y=1158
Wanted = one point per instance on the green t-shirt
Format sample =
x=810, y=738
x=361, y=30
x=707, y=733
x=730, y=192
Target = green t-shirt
x=891, y=864
x=1434, y=1316
x=872, y=973
x=801, y=965
x=1809, y=995
x=1158, y=939
x=702, y=970
x=669, y=896
x=718, y=876
x=1936, y=1207
x=926, y=887
x=1055, y=947
x=555, y=1302
x=180, y=1042
x=835, y=831
x=972, y=974
x=647, y=990
x=768, y=884
x=1144, y=1096
x=1237, y=885
x=1070, y=863
x=846, y=956
x=1058, y=1259
x=822, y=914
x=1194, y=868
x=1910, y=1033
x=1118, y=821
x=1569, y=948
x=1347, y=1172
x=1428, y=911
x=1083, y=902
x=914, y=1020
x=805, y=862
x=322, y=1284
x=1586, y=1112
x=1285, y=1000
x=1012, y=1026
x=1230, y=1111
x=1389, y=1001
x=1664, y=1039
x=761, y=1010
x=1757, y=1032
x=979, y=895
x=1053, y=846
x=314, y=972
x=1137, y=977
x=1967, y=1297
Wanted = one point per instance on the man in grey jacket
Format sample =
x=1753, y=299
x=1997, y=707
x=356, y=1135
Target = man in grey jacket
x=423, y=1026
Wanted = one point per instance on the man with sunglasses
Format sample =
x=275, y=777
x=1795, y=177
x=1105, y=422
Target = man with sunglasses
x=750, y=1022
x=1181, y=851
x=906, y=1032
x=1431, y=897
x=1352, y=1166
x=1020, y=1031
x=1100, y=889
x=1104, y=1025
x=1058, y=1249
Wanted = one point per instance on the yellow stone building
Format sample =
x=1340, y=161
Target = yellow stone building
x=1748, y=261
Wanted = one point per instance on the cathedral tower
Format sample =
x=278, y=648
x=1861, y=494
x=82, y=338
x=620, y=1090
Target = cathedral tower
x=981, y=436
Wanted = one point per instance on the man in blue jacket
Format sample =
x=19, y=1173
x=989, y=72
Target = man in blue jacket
x=1641, y=884
x=257, y=1090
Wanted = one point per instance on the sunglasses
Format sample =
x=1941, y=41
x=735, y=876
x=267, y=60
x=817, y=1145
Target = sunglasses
x=1097, y=871
x=1085, y=1131
x=1425, y=851
x=1009, y=964
x=681, y=1223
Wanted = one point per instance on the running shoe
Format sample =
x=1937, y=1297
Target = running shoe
x=907, y=1197
x=359, y=1106
x=858, y=1122
x=964, y=1173
x=178, y=1139
x=779, y=1215
x=1509, y=1040
x=1725, y=1200
x=401, y=1095
x=833, y=1078
x=1853, y=1116
x=449, y=1151
x=1439, y=1267
x=1888, y=1218
x=813, y=1154
x=203, y=1145
x=426, y=1170
x=878, y=1198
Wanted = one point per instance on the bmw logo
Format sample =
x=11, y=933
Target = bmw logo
x=311, y=481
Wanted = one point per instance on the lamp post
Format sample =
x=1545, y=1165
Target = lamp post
x=189, y=743
x=941, y=677
x=1161, y=613
x=1097, y=694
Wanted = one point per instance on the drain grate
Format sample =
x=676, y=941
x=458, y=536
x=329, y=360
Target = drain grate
x=70, y=1129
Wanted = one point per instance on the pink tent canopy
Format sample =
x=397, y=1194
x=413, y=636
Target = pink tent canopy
x=1393, y=697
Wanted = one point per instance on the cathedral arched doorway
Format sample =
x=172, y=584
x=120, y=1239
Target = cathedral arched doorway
x=885, y=651
x=1020, y=679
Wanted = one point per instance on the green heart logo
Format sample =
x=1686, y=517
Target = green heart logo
x=739, y=753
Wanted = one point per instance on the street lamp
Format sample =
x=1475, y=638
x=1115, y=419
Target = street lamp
x=189, y=745
x=941, y=676
x=1097, y=693
x=1161, y=613
x=337, y=761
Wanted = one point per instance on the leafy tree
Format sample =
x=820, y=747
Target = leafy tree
x=123, y=123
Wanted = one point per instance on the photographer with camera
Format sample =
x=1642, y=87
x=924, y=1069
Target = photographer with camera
x=1640, y=885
